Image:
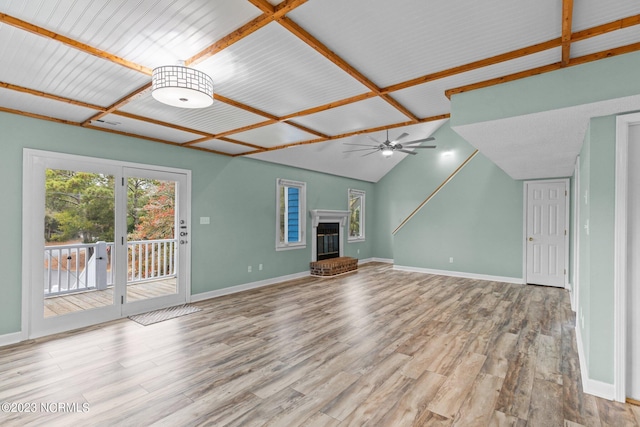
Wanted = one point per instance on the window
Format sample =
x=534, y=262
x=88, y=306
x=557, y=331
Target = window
x=290, y=214
x=356, y=215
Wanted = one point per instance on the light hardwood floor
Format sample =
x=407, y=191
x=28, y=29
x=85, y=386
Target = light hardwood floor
x=378, y=347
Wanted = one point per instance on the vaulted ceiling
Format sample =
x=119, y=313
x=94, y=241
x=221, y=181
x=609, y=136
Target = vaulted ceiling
x=294, y=80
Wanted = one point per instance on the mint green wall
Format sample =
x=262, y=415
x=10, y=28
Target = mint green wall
x=476, y=218
x=401, y=190
x=599, y=284
x=583, y=309
x=609, y=78
x=237, y=194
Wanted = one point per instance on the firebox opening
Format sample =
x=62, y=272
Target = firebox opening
x=328, y=240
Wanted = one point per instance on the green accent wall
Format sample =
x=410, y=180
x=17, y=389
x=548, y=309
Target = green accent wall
x=605, y=79
x=476, y=218
x=597, y=174
x=238, y=194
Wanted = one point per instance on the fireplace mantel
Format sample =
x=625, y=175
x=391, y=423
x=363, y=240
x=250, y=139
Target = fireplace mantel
x=324, y=215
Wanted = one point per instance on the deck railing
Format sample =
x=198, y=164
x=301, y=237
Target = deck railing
x=81, y=267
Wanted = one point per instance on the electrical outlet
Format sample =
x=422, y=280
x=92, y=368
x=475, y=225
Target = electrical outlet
x=358, y=251
x=249, y=269
x=260, y=267
x=450, y=260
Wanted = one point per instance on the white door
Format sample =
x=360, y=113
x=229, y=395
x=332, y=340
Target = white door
x=156, y=240
x=633, y=263
x=546, y=232
x=101, y=241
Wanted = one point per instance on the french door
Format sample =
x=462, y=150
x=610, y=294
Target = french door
x=101, y=240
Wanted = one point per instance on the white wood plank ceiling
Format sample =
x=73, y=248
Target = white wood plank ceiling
x=305, y=74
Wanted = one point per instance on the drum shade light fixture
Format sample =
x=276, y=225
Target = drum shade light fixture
x=181, y=86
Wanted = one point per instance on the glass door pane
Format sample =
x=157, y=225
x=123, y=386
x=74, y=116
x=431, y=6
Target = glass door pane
x=79, y=227
x=153, y=248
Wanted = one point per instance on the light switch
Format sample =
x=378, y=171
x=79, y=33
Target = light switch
x=204, y=220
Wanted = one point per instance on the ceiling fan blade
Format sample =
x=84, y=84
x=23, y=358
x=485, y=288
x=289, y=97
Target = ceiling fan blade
x=419, y=141
x=374, y=140
x=361, y=145
x=364, y=155
x=404, y=135
x=424, y=146
x=359, y=149
x=406, y=151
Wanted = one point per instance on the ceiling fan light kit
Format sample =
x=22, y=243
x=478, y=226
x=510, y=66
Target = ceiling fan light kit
x=387, y=148
x=181, y=86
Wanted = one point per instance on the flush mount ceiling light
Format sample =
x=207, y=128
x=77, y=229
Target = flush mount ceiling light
x=182, y=86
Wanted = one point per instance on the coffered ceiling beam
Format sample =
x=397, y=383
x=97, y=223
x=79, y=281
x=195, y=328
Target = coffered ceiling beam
x=567, y=21
x=247, y=29
x=118, y=104
x=306, y=37
x=23, y=25
x=634, y=47
x=50, y=96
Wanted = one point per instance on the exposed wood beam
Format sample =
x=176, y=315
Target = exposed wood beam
x=567, y=21
x=23, y=25
x=38, y=116
x=504, y=79
x=222, y=135
x=50, y=96
x=598, y=30
x=358, y=132
x=246, y=144
x=161, y=123
x=263, y=5
x=308, y=130
x=118, y=104
x=634, y=47
x=514, y=54
x=310, y=40
x=329, y=106
x=244, y=31
x=244, y=107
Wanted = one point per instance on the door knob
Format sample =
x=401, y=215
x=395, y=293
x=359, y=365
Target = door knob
x=531, y=239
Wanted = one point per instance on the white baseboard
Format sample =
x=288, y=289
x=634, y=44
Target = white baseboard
x=385, y=260
x=13, y=338
x=590, y=386
x=516, y=280
x=247, y=286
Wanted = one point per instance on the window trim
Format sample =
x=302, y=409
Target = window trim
x=302, y=187
x=352, y=192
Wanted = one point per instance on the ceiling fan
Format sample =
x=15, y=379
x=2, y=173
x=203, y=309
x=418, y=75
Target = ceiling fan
x=387, y=148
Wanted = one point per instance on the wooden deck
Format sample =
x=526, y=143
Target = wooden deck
x=87, y=300
x=378, y=347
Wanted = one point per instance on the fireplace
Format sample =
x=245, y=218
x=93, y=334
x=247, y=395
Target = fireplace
x=327, y=244
x=328, y=231
x=328, y=240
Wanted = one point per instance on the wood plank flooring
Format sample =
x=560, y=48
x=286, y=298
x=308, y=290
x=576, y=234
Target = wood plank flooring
x=378, y=347
x=71, y=303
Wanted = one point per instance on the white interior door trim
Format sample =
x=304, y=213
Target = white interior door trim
x=620, y=253
x=567, y=213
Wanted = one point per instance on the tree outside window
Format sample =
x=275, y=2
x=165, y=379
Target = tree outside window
x=356, y=214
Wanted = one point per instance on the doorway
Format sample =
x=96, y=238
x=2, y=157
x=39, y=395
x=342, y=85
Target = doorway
x=102, y=240
x=546, y=232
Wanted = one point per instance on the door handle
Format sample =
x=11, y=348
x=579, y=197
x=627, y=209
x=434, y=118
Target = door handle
x=531, y=239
